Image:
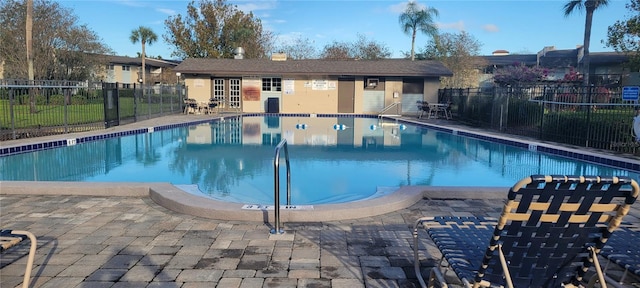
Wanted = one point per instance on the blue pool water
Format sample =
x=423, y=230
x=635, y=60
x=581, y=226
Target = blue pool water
x=332, y=160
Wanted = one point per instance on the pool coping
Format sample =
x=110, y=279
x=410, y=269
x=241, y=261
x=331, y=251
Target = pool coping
x=175, y=199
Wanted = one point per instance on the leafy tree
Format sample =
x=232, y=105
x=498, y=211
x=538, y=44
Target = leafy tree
x=61, y=49
x=337, y=51
x=624, y=35
x=298, y=48
x=214, y=29
x=590, y=6
x=144, y=35
x=519, y=74
x=414, y=19
x=362, y=48
x=459, y=53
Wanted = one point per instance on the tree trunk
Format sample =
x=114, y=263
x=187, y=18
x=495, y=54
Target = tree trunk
x=29, y=44
x=587, y=39
x=144, y=69
x=413, y=44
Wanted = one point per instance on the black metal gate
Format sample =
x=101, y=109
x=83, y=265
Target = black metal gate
x=111, y=107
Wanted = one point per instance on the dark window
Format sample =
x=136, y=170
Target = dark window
x=412, y=86
x=271, y=84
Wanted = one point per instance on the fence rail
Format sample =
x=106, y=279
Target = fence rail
x=45, y=107
x=594, y=117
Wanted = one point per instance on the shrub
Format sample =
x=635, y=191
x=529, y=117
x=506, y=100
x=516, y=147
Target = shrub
x=523, y=113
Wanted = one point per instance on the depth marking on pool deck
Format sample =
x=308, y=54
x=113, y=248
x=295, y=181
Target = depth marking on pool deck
x=270, y=207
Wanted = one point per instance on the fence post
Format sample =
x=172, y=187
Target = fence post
x=148, y=100
x=66, y=111
x=135, y=103
x=11, y=112
x=161, y=110
x=586, y=144
x=171, y=99
x=541, y=129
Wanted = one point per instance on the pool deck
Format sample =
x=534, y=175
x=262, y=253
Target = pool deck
x=129, y=240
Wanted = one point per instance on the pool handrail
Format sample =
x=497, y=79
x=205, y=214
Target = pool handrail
x=276, y=188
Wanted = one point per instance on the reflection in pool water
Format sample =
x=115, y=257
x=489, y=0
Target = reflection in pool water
x=332, y=159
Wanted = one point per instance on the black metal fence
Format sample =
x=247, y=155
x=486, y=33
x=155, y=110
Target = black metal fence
x=41, y=107
x=594, y=117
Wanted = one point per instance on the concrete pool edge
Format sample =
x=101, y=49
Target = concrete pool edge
x=173, y=198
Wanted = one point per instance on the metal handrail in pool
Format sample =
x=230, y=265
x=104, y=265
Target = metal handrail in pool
x=276, y=188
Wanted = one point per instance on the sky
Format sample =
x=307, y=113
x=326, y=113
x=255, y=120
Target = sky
x=517, y=26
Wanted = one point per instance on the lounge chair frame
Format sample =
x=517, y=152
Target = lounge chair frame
x=549, y=234
x=11, y=238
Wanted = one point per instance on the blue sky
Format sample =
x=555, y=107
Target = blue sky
x=516, y=26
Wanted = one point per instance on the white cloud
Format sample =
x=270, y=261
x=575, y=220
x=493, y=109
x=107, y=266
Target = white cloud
x=131, y=3
x=490, y=28
x=452, y=26
x=166, y=11
x=256, y=6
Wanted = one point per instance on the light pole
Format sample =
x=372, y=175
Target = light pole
x=178, y=88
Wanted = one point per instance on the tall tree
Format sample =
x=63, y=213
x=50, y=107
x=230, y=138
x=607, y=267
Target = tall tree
x=61, y=48
x=298, y=48
x=144, y=35
x=459, y=52
x=590, y=6
x=367, y=49
x=414, y=19
x=29, y=46
x=337, y=51
x=624, y=35
x=214, y=29
x=29, y=38
x=362, y=48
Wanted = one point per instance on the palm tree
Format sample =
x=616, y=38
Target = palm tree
x=590, y=6
x=414, y=19
x=145, y=36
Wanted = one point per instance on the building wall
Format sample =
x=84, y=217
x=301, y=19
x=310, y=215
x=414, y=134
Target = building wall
x=311, y=95
x=199, y=87
x=316, y=94
x=431, y=86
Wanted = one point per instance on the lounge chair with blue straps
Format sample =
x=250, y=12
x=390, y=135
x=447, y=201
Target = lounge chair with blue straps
x=549, y=234
x=624, y=249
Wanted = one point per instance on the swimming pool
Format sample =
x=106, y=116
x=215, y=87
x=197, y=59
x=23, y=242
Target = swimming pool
x=333, y=159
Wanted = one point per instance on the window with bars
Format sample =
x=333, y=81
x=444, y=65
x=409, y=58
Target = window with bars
x=271, y=84
x=218, y=89
x=234, y=93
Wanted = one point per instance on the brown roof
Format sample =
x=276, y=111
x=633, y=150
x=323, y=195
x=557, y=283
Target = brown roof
x=385, y=67
x=136, y=61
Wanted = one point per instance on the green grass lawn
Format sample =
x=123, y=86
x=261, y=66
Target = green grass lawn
x=50, y=115
x=59, y=115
